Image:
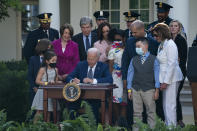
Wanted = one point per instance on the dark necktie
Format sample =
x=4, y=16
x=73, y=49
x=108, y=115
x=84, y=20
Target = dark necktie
x=45, y=31
x=87, y=43
x=130, y=34
x=90, y=74
x=143, y=59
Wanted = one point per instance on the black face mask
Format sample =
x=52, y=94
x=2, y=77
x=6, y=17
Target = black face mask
x=117, y=40
x=52, y=65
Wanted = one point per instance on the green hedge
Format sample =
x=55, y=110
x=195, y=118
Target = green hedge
x=84, y=122
x=16, y=65
x=14, y=89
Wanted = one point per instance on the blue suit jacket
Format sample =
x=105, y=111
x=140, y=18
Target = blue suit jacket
x=33, y=68
x=130, y=52
x=101, y=73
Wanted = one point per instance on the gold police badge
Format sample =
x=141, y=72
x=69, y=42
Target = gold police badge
x=71, y=92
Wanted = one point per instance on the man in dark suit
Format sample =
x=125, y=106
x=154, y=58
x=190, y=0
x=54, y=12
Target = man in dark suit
x=90, y=71
x=101, y=16
x=33, y=68
x=86, y=38
x=138, y=30
x=163, y=10
x=44, y=31
x=130, y=17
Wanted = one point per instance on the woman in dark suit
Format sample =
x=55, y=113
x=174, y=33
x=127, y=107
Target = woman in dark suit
x=35, y=63
x=180, y=40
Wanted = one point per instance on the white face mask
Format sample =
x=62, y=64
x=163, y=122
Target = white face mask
x=139, y=51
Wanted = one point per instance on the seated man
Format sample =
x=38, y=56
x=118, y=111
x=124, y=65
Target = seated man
x=90, y=71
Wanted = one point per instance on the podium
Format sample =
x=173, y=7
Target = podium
x=101, y=92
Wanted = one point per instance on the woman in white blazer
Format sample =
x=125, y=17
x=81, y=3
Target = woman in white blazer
x=170, y=73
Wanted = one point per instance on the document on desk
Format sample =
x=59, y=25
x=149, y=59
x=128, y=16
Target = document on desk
x=98, y=84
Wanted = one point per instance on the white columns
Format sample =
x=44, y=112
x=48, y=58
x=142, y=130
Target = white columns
x=51, y=6
x=180, y=12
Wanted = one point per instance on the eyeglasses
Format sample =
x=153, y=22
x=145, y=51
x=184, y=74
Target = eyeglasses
x=155, y=35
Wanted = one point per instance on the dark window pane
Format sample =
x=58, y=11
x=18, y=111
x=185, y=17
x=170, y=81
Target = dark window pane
x=117, y=26
x=115, y=4
x=146, y=25
x=133, y=4
x=29, y=20
x=104, y=4
x=136, y=11
x=144, y=15
x=108, y=18
x=34, y=22
x=115, y=16
x=144, y=4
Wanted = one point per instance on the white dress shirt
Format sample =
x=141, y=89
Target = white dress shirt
x=41, y=59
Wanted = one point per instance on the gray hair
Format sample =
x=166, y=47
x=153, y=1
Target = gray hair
x=138, y=24
x=86, y=20
x=94, y=50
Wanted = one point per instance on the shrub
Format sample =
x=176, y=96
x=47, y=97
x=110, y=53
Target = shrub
x=160, y=126
x=14, y=90
x=15, y=65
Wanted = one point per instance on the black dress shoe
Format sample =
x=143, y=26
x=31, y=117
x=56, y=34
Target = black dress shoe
x=181, y=124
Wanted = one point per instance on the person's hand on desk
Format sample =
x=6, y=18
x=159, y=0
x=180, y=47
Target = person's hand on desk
x=76, y=81
x=64, y=76
x=35, y=89
x=51, y=82
x=87, y=80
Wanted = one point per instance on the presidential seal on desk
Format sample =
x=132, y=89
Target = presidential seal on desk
x=71, y=92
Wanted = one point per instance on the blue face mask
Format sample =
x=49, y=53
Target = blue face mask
x=139, y=51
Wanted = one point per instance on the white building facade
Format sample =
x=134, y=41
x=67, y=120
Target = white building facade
x=15, y=28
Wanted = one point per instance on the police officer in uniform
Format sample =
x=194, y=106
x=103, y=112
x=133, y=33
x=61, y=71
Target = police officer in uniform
x=44, y=31
x=130, y=17
x=101, y=16
x=163, y=10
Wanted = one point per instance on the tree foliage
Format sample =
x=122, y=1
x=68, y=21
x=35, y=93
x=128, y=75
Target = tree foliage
x=5, y=4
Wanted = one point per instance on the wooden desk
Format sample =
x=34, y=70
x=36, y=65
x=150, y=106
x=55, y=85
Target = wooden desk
x=99, y=91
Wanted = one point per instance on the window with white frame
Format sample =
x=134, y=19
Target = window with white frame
x=29, y=19
x=142, y=7
x=113, y=7
x=117, y=7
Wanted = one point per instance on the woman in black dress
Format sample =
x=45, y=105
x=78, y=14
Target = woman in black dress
x=179, y=38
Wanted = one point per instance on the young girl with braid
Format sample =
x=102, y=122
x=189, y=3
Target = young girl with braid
x=46, y=75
